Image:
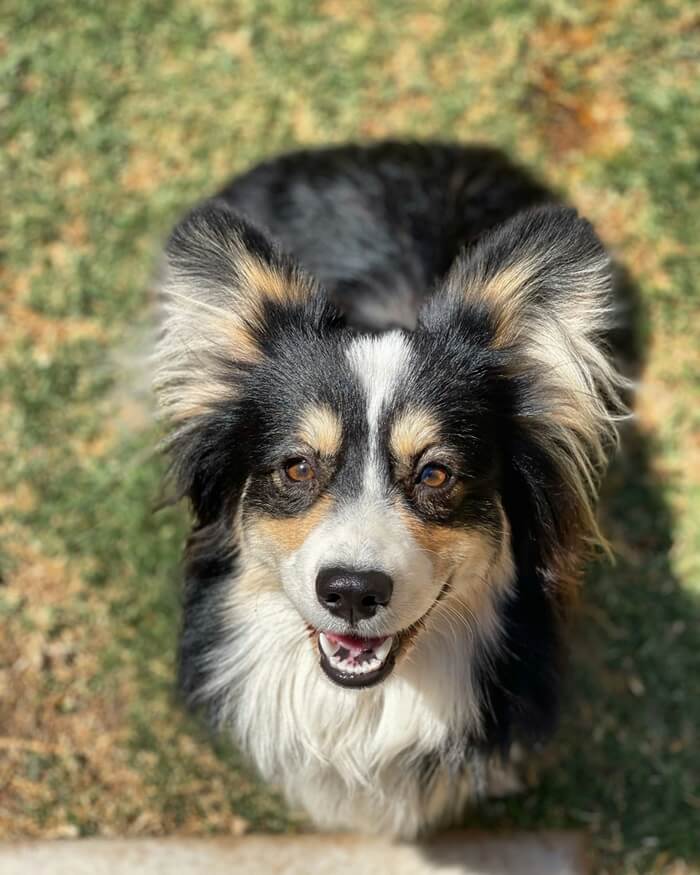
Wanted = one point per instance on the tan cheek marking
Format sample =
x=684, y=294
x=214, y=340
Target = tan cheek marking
x=287, y=534
x=413, y=431
x=321, y=429
x=450, y=548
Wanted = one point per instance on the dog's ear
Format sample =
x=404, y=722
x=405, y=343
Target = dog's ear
x=222, y=288
x=542, y=282
x=538, y=291
x=225, y=292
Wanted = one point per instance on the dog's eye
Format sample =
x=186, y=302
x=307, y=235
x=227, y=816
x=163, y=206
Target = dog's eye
x=299, y=470
x=433, y=476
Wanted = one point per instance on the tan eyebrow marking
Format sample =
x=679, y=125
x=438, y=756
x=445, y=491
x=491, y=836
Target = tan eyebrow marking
x=412, y=431
x=320, y=427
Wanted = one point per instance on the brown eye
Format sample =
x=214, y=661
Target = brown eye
x=433, y=476
x=299, y=470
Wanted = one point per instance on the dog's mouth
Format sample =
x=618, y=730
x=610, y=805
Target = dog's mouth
x=357, y=662
x=351, y=661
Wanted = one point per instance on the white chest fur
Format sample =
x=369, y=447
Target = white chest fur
x=354, y=759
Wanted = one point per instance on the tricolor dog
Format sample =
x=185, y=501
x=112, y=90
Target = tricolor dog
x=389, y=403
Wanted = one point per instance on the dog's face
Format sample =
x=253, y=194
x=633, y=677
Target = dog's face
x=373, y=483
x=374, y=477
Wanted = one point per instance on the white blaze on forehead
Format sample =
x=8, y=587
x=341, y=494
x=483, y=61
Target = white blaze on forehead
x=381, y=364
x=365, y=532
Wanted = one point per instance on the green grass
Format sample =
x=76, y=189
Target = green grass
x=116, y=116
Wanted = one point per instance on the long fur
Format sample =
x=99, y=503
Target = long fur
x=432, y=296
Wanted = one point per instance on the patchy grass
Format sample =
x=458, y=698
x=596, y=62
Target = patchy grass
x=116, y=117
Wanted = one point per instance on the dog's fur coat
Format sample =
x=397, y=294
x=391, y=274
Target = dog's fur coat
x=387, y=317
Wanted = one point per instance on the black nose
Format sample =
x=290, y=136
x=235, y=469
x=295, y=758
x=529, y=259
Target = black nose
x=353, y=595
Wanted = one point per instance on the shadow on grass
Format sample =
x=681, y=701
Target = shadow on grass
x=624, y=765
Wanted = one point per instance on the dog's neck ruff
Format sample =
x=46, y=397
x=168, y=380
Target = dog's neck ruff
x=394, y=746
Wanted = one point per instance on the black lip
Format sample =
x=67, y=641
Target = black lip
x=357, y=681
x=372, y=678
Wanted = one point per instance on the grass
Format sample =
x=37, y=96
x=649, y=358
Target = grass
x=116, y=116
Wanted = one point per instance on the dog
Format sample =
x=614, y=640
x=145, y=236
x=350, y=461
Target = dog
x=390, y=402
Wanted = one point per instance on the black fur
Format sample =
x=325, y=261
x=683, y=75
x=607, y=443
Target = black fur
x=379, y=227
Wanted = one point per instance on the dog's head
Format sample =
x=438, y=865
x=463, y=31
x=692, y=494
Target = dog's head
x=379, y=479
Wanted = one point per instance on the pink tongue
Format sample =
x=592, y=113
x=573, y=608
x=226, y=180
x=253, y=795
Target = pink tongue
x=356, y=646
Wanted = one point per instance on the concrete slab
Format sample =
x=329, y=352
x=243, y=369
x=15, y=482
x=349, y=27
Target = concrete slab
x=460, y=853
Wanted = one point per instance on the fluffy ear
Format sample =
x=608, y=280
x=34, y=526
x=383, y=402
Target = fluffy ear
x=224, y=290
x=541, y=288
x=222, y=283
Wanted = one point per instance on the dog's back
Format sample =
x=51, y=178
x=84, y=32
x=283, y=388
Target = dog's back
x=379, y=225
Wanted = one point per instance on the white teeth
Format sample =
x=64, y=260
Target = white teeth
x=349, y=667
x=382, y=651
x=328, y=648
x=348, y=664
